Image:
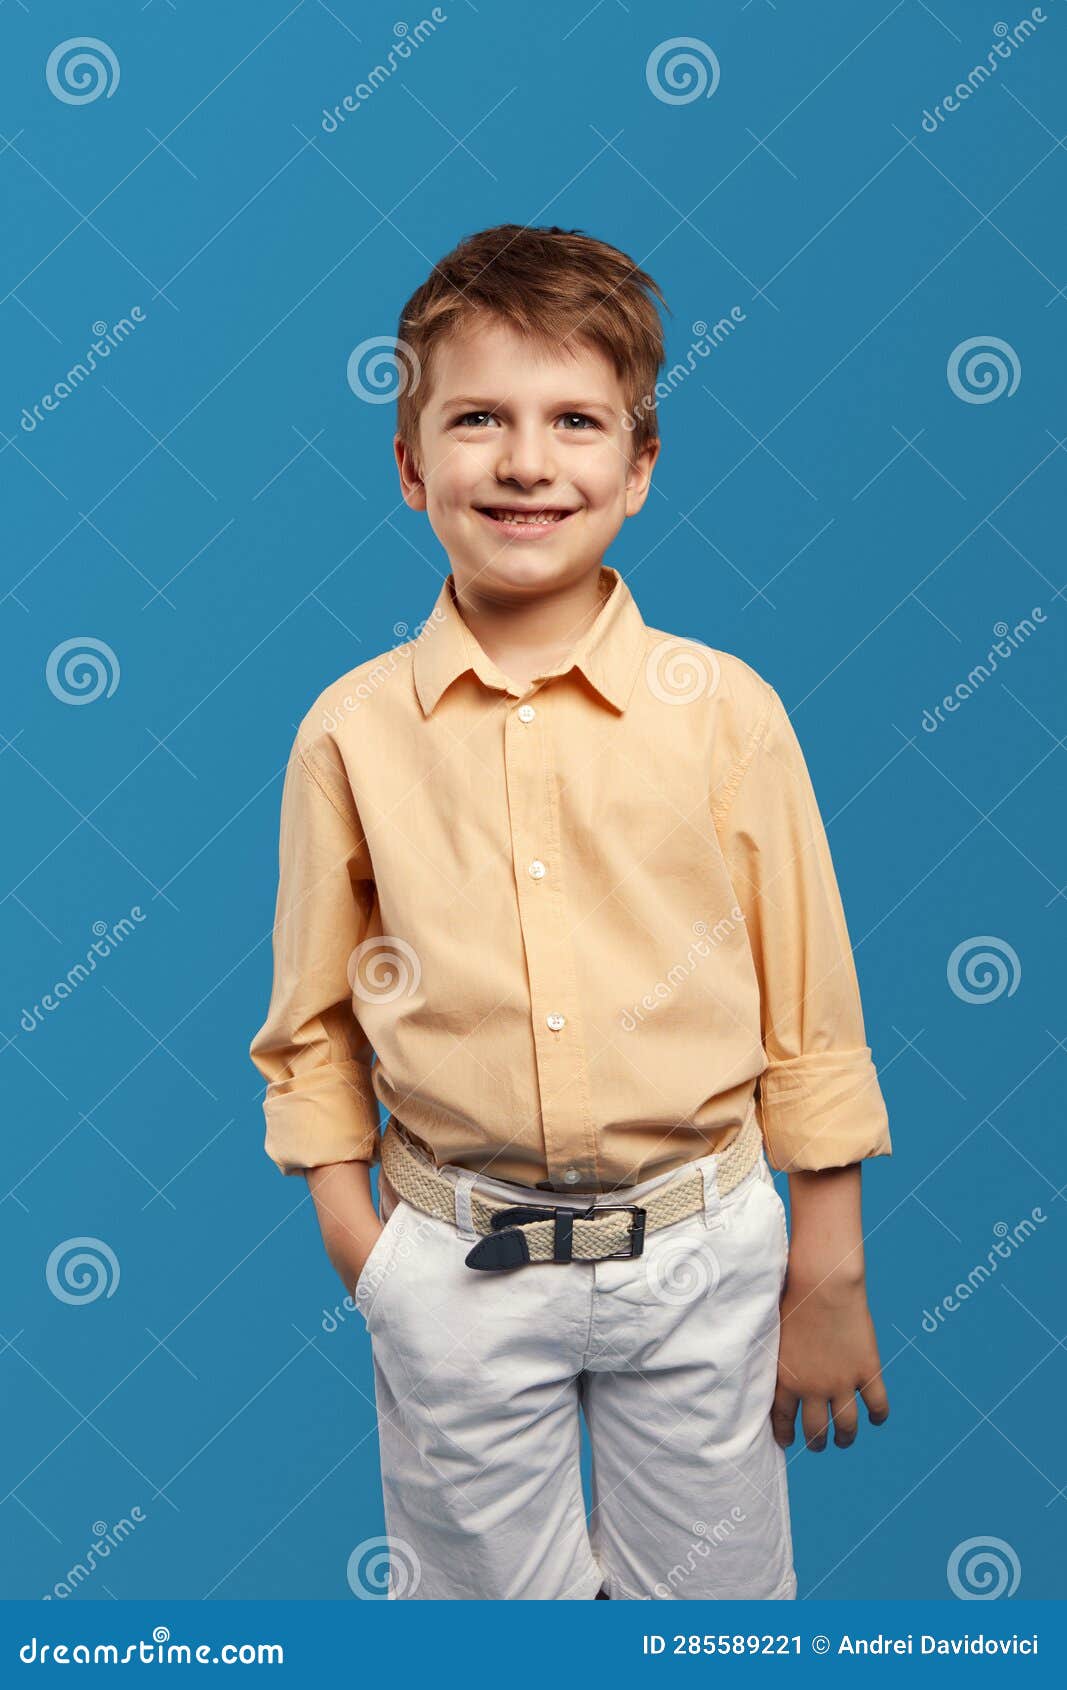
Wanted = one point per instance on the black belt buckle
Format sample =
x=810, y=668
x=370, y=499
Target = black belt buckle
x=563, y=1235
x=506, y=1246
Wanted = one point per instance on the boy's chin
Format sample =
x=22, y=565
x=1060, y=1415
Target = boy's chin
x=511, y=569
x=555, y=561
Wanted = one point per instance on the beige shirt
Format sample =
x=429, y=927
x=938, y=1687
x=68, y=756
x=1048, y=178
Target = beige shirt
x=572, y=934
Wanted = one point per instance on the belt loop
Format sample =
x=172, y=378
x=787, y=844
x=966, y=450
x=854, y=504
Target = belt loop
x=464, y=1219
x=713, y=1216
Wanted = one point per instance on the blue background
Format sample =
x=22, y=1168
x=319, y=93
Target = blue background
x=218, y=507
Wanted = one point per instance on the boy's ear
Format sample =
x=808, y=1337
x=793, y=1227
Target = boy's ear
x=639, y=476
x=412, y=486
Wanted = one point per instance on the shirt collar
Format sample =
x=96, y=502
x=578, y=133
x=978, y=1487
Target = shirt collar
x=608, y=654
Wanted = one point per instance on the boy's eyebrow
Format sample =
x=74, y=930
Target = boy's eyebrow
x=480, y=403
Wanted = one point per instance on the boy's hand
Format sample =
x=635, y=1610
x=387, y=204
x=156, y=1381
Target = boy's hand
x=828, y=1350
x=351, y=1259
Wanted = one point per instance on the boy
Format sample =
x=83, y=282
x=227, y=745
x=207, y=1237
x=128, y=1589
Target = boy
x=555, y=891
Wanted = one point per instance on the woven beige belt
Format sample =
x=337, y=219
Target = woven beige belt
x=514, y=1234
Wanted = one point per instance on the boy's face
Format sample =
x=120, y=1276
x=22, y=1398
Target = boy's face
x=507, y=429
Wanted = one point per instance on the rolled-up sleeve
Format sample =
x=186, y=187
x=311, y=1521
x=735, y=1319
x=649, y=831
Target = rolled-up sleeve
x=319, y=1104
x=819, y=1100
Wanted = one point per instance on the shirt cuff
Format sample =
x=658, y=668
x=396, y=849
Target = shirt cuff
x=824, y=1110
x=331, y=1118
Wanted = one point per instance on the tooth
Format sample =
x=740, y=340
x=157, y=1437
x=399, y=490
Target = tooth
x=526, y=516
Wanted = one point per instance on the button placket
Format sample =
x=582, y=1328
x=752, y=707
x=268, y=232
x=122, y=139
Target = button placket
x=558, y=1042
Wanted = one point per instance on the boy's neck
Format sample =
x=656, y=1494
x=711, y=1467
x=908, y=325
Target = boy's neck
x=527, y=637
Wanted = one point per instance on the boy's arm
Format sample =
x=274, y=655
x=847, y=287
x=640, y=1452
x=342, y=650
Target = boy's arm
x=820, y=1104
x=320, y=1108
x=347, y=1218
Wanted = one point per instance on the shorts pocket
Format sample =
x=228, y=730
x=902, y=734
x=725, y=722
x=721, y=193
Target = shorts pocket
x=783, y=1230
x=766, y=1179
x=376, y=1268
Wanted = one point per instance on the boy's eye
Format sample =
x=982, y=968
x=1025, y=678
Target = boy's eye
x=477, y=419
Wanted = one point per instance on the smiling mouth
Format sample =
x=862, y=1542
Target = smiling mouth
x=515, y=516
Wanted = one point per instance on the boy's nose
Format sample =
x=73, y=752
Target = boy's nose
x=526, y=459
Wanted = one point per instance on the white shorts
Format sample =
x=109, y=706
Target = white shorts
x=673, y=1358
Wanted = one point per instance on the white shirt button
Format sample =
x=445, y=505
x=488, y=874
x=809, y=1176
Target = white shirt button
x=556, y=1022
x=526, y=712
x=572, y=1176
x=537, y=869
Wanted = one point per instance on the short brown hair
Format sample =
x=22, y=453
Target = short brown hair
x=552, y=284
